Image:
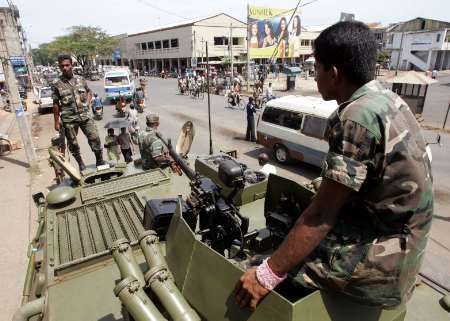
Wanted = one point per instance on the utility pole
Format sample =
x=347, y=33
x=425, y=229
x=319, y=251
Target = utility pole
x=14, y=98
x=202, y=41
x=248, y=50
x=209, y=101
x=231, y=51
x=399, y=53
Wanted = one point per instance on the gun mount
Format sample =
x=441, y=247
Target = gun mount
x=221, y=225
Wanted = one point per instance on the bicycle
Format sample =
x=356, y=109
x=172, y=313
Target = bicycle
x=231, y=102
x=5, y=146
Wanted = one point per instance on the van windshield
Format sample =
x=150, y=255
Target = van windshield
x=282, y=117
x=116, y=80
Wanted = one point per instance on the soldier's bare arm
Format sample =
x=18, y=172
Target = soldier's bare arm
x=89, y=93
x=56, y=107
x=56, y=111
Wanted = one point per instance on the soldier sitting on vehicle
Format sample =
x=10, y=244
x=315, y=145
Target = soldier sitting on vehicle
x=153, y=154
x=364, y=234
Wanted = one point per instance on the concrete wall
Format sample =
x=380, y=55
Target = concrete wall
x=219, y=26
x=10, y=33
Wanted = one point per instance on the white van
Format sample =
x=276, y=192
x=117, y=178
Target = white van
x=118, y=81
x=294, y=128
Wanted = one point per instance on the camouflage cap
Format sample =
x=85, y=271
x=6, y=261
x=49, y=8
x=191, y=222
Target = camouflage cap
x=152, y=118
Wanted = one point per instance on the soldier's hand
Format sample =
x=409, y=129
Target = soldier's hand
x=249, y=291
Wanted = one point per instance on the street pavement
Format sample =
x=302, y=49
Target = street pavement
x=228, y=132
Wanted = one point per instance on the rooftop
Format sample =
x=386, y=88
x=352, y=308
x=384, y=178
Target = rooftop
x=305, y=104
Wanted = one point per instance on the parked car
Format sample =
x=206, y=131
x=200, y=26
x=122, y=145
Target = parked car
x=294, y=128
x=44, y=100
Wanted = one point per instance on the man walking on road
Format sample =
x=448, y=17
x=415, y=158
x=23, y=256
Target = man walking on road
x=71, y=98
x=251, y=110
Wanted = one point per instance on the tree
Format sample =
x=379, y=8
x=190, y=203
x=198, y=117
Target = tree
x=42, y=55
x=84, y=43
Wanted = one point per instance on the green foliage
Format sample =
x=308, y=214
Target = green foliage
x=382, y=56
x=42, y=55
x=82, y=42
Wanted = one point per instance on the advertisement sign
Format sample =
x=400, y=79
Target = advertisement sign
x=273, y=33
x=116, y=54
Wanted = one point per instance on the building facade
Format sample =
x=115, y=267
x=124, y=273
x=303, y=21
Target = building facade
x=175, y=47
x=419, y=44
x=12, y=43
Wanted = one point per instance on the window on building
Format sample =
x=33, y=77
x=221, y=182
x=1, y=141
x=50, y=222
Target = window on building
x=221, y=41
x=144, y=46
x=438, y=37
x=391, y=39
x=305, y=43
x=235, y=41
x=158, y=44
x=150, y=45
x=173, y=43
x=165, y=44
x=283, y=118
x=138, y=46
x=314, y=126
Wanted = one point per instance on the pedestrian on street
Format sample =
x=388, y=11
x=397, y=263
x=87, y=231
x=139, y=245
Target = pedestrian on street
x=251, y=110
x=71, y=99
x=266, y=168
x=125, y=145
x=112, y=145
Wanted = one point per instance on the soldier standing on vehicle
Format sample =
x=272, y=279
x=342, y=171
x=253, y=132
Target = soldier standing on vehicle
x=364, y=234
x=150, y=146
x=71, y=98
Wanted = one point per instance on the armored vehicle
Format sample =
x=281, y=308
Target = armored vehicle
x=193, y=235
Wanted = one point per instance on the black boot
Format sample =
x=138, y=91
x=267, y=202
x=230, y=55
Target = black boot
x=99, y=159
x=80, y=162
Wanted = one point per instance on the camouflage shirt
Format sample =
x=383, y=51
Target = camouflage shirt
x=71, y=95
x=375, y=250
x=150, y=147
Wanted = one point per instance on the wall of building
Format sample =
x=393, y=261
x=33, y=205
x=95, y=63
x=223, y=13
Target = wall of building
x=10, y=33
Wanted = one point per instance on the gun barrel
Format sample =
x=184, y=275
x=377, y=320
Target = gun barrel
x=184, y=166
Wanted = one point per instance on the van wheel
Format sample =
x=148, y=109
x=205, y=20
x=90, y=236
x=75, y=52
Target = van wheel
x=281, y=154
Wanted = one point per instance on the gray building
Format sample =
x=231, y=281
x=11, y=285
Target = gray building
x=175, y=46
x=13, y=42
x=419, y=44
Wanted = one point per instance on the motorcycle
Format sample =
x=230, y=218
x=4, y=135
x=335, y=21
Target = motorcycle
x=121, y=108
x=98, y=112
x=140, y=105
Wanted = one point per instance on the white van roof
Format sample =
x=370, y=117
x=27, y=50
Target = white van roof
x=305, y=104
x=113, y=73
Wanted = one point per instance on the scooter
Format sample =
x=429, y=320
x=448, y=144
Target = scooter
x=98, y=112
x=121, y=108
x=140, y=105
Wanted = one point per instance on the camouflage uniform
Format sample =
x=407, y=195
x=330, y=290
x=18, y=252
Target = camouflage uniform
x=72, y=97
x=150, y=146
x=374, y=252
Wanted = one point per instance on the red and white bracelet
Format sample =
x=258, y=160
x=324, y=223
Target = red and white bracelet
x=266, y=277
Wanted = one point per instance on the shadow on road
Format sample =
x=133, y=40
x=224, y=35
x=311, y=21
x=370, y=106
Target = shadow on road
x=15, y=161
x=308, y=171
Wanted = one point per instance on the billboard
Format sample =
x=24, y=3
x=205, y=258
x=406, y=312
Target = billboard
x=273, y=33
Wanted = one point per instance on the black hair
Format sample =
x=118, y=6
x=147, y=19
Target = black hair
x=63, y=57
x=269, y=24
x=299, y=26
x=349, y=46
x=279, y=28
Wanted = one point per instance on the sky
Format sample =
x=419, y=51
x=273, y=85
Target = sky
x=44, y=20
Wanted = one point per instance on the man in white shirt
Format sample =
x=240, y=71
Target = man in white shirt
x=269, y=92
x=266, y=168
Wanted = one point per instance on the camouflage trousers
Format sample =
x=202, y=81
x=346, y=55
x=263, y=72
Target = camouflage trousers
x=89, y=129
x=367, y=268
